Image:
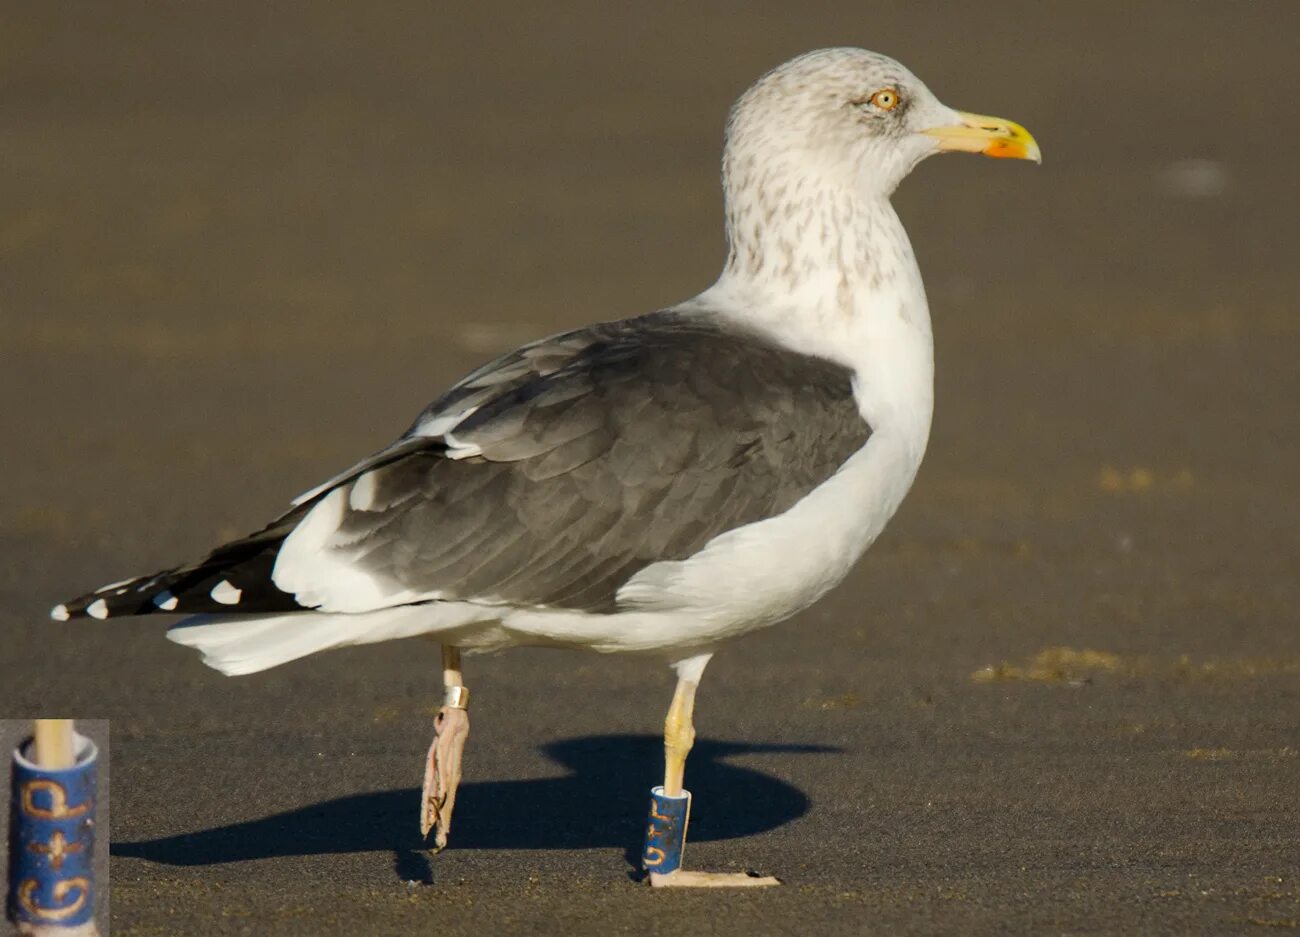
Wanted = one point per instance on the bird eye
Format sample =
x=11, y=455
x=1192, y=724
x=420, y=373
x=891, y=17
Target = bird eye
x=886, y=99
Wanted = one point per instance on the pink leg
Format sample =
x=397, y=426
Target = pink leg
x=443, y=766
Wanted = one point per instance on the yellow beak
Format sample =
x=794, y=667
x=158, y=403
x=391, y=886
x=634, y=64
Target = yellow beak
x=991, y=136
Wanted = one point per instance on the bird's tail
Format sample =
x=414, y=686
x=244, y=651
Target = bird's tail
x=242, y=644
x=238, y=644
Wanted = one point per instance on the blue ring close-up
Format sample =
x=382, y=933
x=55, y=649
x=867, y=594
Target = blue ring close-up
x=52, y=841
x=665, y=836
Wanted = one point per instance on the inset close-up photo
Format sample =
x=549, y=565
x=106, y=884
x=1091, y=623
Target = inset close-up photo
x=57, y=827
x=593, y=468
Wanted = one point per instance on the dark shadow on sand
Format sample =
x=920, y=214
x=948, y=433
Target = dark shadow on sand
x=601, y=802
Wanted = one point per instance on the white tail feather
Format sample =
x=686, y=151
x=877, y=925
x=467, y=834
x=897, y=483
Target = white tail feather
x=243, y=644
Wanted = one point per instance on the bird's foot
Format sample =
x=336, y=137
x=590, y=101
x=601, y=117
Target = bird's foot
x=443, y=766
x=684, y=879
x=665, y=841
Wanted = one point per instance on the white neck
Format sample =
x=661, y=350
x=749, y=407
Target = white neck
x=836, y=278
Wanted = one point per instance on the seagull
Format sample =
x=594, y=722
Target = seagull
x=655, y=485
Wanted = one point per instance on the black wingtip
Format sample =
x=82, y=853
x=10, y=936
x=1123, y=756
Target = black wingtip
x=118, y=599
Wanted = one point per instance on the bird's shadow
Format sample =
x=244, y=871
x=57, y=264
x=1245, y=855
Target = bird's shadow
x=601, y=802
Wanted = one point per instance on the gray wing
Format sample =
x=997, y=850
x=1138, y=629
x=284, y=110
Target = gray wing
x=493, y=380
x=581, y=460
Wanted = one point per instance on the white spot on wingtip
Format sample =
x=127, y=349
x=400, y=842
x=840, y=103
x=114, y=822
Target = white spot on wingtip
x=97, y=609
x=226, y=593
x=60, y=613
x=165, y=601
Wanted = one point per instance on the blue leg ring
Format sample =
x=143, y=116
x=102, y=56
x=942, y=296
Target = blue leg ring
x=665, y=837
x=52, y=846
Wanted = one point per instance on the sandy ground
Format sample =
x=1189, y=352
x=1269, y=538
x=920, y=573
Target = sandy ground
x=242, y=244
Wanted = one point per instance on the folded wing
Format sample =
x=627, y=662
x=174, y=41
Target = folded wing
x=631, y=443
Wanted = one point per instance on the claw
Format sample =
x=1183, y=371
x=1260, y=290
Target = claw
x=442, y=773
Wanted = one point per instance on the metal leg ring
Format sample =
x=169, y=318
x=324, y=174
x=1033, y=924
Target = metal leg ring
x=457, y=697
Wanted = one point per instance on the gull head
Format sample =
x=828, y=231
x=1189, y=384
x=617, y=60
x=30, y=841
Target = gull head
x=853, y=121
